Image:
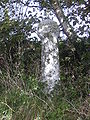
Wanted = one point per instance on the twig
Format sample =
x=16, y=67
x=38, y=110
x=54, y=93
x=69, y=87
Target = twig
x=7, y=106
x=80, y=113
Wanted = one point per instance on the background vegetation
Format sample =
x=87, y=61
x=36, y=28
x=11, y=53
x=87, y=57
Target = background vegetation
x=21, y=91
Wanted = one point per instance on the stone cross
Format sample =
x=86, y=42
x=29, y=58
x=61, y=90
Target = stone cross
x=48, y=32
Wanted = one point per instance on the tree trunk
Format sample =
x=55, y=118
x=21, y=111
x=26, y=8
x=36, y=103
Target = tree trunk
x=67, y=28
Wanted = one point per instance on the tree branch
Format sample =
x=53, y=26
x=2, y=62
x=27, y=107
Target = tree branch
x=67, y=28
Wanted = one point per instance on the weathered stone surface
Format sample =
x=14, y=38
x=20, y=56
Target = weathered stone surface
x=48, y=32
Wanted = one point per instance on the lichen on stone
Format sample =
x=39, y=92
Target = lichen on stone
x=48, y=31
x=48, y=26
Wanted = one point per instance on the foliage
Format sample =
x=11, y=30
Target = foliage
x=21, y=91
x=69, y=97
